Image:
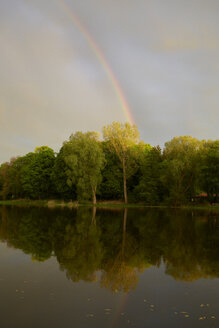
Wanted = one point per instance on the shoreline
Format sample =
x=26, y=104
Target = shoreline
x=106, y=204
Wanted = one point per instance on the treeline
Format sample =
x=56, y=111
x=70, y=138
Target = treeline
x=119, y=167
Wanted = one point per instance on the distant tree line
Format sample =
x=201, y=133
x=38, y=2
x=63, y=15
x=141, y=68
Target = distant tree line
x=119, y=167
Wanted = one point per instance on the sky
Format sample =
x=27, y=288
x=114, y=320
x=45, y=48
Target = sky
x=54, y=69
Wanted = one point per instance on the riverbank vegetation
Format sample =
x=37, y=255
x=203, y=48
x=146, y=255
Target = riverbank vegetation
x=118, y=168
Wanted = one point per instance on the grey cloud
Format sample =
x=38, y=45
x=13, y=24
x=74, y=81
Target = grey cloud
x=163, y=53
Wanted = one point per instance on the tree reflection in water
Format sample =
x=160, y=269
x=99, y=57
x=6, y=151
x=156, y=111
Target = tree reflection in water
x=118, y=274
x=117, y=243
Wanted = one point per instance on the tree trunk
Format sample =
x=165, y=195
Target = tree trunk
x=124, y=181
x=94, y=196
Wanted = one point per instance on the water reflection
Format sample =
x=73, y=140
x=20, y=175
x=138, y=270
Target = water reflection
x=116, y=245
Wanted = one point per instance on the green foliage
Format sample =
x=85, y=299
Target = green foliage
x=150, y=188
x=59, y=179
x=121, y=139
x=111, y=186
x=4, y=181
x=180, y=168
x=85, y=159
x=36, y=175
x=210, y=170
x=11, y=175
x=15, y=176
x=116, y=167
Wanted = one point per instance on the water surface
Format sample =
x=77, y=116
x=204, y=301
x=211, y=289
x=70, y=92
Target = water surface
x=108, y=268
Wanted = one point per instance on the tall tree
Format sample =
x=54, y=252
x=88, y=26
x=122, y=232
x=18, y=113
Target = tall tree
x=150, y=188
x=111, y=186
x=36, y=176
x=180, y=168
x=121, y=139
x=85, y=159
x=210, y=170
x=59, y=179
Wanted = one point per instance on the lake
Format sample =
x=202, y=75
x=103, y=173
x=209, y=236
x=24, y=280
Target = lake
x=108, y=267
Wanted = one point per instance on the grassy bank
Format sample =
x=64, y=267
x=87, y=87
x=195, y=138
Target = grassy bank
x=201, y=207
x=38, y=203
x=60, y=203
x=103, y=204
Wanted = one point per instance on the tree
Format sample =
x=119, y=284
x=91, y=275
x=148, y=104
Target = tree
x=111, y=186
x=4, y=183
x=150, y=188
x=210, y=170
x=121, y=139
x=36, y=176
x=180, y=168
x=59, y=179
x=10, y=178
x=85, y=159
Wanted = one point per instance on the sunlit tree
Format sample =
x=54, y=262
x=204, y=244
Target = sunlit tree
x=85, y=159
x=121, y=139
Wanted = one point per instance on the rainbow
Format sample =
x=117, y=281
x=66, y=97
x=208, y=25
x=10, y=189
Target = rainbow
x=118, y=90
x=123, y=300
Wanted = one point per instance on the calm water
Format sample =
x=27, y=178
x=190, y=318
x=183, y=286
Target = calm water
x=113, y=268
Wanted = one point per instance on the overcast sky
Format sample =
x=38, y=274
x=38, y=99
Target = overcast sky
x=164, y=54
